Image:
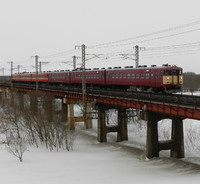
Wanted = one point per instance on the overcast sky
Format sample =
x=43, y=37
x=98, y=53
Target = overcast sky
x=45, y=27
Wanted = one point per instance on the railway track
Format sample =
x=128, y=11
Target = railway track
x=178, y=99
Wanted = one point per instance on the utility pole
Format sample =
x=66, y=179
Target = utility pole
x=36, y=71
x=11, y=71
x=40, y=65
x=136, y=56
x=137, y=49
x=18, y=68
x=83, y=81
x=74, y=62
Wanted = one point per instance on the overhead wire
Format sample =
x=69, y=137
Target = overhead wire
x=114, y=43
x=152, y=39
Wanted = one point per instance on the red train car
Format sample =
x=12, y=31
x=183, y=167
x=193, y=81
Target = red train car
x=30, y=77
x=159, y=79
x=92, y=77
x=59, y=78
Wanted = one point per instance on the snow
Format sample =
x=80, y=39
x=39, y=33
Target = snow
x=92, y=162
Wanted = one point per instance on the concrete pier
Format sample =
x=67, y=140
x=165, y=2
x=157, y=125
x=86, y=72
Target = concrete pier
x=153, y=145
x=103, y=129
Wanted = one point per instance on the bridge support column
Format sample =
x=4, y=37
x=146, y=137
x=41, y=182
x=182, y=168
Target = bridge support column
x=71, y=118
x=48, y=107
x=4, y=98
x=102, y=130
x=64, y=112
x=177, y=150
x=68, y=106
x=34, y=104
x=88, y=120
x=122, y=125
x=153, y=145
x=21, y=101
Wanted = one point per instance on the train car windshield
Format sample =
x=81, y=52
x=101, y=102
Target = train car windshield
x=173, y=72
x=177, y=72
x=168, y=72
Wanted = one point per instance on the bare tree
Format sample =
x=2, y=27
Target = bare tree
x=12, y=128
x=43, y=123
x=33, y=123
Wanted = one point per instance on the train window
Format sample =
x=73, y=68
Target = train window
x=180, y=72
x=152, y=75
x=133, y=75
x=156, y=75
x=147, y=75
x=129, y=75
x=167, y=72
x=175, y=72
x=113, y=75
x=116, y=76
x=120, y=75
x=137, y=75
x=124, y=76
x=142, y=75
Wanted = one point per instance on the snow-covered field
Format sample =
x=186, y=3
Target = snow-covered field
x=98, y=163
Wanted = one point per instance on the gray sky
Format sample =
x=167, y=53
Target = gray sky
x=45, y=27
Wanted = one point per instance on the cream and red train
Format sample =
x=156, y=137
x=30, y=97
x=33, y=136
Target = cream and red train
x=165, y=78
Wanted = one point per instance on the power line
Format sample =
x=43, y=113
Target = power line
x=151, y=39
x=171, y=53
x=185, y=45
x=145, y=35
x=67, y=52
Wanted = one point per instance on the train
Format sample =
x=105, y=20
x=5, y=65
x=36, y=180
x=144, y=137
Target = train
x=166, y=78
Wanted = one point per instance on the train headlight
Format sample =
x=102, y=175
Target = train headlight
x=167, y=78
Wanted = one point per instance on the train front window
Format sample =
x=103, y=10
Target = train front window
x=175, y=72
x=168, y=72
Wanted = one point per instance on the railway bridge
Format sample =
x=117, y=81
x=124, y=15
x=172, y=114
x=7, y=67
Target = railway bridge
x=153, y=108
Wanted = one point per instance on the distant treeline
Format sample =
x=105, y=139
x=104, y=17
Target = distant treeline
x=191, y=80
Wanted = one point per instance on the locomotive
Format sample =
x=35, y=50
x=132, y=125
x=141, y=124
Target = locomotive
x=165, y=78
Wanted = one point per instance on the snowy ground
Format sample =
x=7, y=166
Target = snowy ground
x=98, y=163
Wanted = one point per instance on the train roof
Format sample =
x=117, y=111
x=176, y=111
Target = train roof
x=142, y=67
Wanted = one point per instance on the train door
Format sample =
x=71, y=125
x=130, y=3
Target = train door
x=152, y=77
x=175, y=77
